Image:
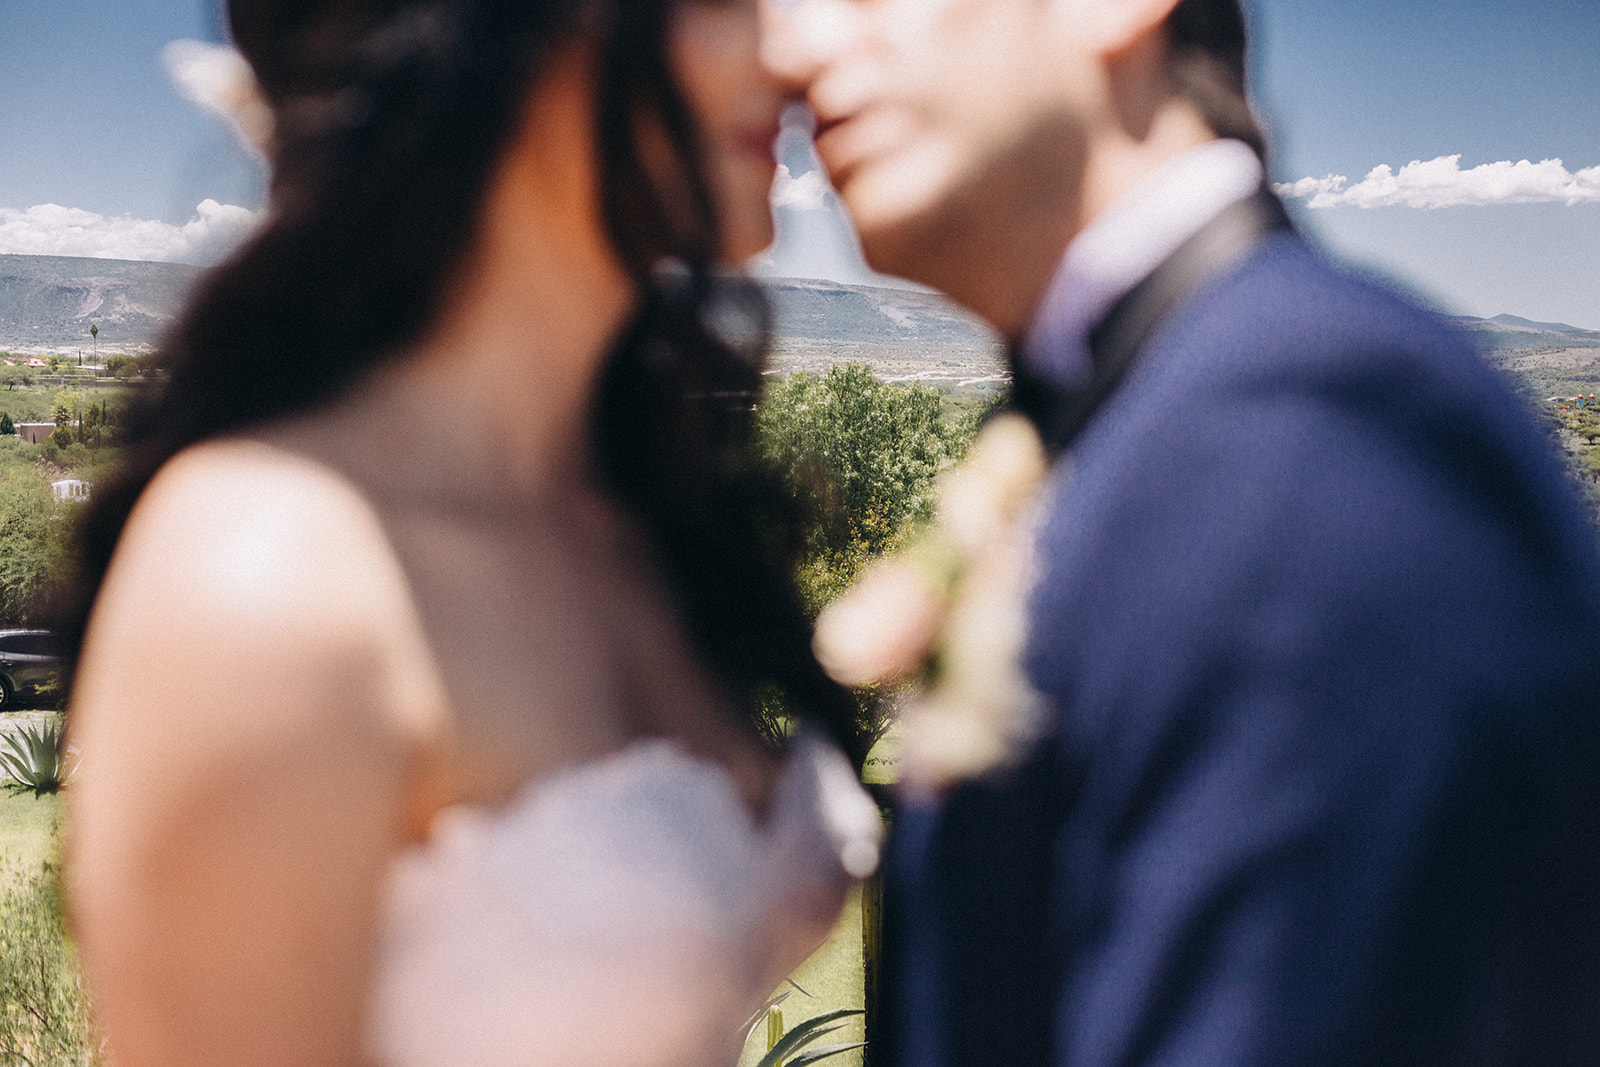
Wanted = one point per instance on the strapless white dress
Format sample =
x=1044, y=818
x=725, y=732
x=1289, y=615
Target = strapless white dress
x=630, y=912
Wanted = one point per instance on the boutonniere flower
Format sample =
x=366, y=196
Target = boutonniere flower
x=949, y=615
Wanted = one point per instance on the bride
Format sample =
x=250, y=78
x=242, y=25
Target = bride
x=421, y=636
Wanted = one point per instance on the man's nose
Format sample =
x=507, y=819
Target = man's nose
x=801, y=38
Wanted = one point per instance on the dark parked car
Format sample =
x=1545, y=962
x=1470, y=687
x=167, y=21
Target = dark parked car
x=30, y=662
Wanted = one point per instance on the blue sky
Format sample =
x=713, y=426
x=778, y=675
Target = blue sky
x=1351, y=84
x=90, y=123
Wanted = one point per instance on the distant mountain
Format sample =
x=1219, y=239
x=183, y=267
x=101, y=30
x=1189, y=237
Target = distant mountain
x=1510, y=331
x=1517, y=322
x=807, y=310
x=50, y=301
x=53, y=300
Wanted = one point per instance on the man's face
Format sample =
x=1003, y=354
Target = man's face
x=941, y=122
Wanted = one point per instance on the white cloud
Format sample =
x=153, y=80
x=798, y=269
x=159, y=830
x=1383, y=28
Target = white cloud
x=1442, y=183
x=1312, y=186
x=52, y=230
x=808, y=192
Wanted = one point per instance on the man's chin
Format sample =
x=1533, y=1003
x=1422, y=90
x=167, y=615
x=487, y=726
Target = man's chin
x=887, y=252
x=899, y=212
x=906, y=245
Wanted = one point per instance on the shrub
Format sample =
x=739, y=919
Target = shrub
x=792, y=1049
x=44, y=1016
x=122, y=367
x=33, y=542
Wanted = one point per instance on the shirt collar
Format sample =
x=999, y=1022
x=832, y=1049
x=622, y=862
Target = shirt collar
x=1128, y=241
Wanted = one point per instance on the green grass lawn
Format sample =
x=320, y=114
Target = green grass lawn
x=883, y=762
x=833, y=977
x=43, y=1014
x=28, y=826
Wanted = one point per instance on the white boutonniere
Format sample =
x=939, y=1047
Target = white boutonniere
x=949, y=614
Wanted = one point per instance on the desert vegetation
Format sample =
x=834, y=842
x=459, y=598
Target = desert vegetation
x=35, y=526
x=44, y=1019
x=1560, y=386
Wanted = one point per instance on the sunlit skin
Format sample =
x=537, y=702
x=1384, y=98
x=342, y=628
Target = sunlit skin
x=971, y=139
x=715, y=51
x=264, y=719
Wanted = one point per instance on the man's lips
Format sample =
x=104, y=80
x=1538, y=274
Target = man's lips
x=851, y=140
x=834, y=146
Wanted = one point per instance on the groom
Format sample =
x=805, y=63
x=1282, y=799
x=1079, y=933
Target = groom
x=1317, y=618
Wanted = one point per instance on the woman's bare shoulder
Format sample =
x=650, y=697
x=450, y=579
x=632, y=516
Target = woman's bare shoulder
x=255, y=711
x=243, y=559
x=248, y=528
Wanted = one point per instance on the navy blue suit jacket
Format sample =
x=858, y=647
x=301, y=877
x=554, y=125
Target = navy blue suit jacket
x=1318, y=623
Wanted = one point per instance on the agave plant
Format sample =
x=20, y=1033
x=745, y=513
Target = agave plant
x=32, y=760
x=790, y=1050
x=785, y=1049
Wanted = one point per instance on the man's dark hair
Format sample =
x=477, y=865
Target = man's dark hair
x=1209, y=44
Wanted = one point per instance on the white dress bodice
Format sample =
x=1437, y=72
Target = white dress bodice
x=630, y=912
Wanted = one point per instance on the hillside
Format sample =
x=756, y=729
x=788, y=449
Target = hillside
x=1518, y=323
x=899, y=333
x=48, y=303
x=1510, y=331
x=827, y=311
x=52, y=300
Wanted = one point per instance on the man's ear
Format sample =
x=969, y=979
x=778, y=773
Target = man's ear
x=1112, y=27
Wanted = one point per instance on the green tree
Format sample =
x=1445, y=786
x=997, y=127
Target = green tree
x=91, y=430
x=860, y=456
x=62, y=436
x=15, y=376
x=7, y=427
x=33, y=543
x=860, y=453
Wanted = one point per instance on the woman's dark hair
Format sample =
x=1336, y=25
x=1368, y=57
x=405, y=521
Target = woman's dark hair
x=1209, y=51
x=390, y=118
